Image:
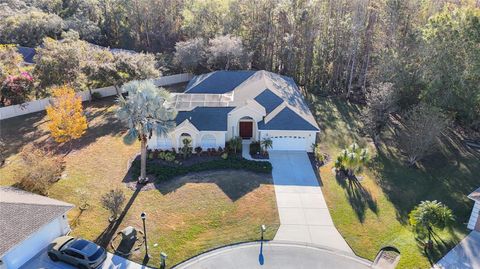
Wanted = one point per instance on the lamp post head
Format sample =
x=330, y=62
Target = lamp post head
x=263, y=228
x=143, y=216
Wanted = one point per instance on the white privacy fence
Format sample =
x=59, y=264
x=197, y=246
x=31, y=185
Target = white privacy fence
x=39, y=105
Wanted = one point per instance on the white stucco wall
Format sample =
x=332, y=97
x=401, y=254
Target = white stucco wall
x=306, y=144
x=27, y=249
x=252, y=110
x=474, y=216
x=196, y=138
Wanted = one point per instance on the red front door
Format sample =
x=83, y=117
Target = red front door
x=246, y=128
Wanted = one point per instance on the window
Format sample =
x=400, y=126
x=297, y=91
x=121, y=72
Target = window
x=74, y=254
x=96, y=255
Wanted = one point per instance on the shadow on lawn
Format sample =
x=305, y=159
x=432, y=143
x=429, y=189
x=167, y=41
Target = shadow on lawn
x=448, y=175
x=439, y=248
x=234, y=183
x=358, y=196
x=19, y=131
x=106, y=236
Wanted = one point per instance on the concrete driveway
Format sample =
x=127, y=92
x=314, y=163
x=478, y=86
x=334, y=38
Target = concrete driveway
x=274, y=255
x=465, y=255
x=304, y=215
x=42, y=261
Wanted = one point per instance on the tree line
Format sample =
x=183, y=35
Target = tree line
x=428, y=50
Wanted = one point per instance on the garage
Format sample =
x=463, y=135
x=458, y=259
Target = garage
x=30, y=223
x=289, y=142
x=208, y=141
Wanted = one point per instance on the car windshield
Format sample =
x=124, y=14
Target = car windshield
x=96, y=255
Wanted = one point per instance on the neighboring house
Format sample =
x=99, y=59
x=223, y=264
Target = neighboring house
x=28, y=223
x=218, y=106
x=474, y=222
x=27, y=54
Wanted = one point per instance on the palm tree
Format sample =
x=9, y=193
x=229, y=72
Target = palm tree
x=145, y=111
x=235, y=143
x=428, y=215
x=352, y=159
x=267, y=143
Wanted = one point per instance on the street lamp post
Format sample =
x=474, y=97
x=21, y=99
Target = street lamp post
x=144, y=216
x=263, y=228
x=163, y=260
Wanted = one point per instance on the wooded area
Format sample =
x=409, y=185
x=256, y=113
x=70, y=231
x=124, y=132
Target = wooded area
x=428, y=50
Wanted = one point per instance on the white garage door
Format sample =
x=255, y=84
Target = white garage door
x=289, y=142
x=208, y=141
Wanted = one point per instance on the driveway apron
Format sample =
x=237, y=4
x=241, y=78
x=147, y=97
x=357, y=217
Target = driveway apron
x=304, y=216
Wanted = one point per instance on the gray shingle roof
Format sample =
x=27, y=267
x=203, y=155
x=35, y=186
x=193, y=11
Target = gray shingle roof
x=218, y=82
x=27, y=54
x=475, y=195
x=23, y=213
x=206, y=118
x=287, y=119
x=268, y=100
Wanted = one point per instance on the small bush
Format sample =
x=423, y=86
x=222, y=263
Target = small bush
x=224, y=155
x=38, y=170
x=166, y=172
x=255, y=148
x=198, y=150
x=96, y=96
x=113, y=201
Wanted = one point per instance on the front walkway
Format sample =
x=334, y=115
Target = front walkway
x=304, y=215
x=466, y=255
x=274, y=255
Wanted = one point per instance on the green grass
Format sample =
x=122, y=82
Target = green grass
x=185, y=216
x=375, y=214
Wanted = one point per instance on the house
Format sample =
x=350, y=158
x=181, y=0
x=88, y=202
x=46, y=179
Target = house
x=474, y=222
x=29, y=222
x=220, y=105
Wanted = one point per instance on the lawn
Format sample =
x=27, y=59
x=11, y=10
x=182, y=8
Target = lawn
x=185, y=216
x=375, y=214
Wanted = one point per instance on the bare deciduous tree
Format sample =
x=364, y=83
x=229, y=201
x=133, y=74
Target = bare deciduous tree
x=227, y=52
x=113, y=201
x=381, y=102
x=191, y=55
x=423, y=125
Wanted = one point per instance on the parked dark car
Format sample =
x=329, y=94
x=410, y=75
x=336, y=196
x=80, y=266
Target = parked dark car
x=77, y=252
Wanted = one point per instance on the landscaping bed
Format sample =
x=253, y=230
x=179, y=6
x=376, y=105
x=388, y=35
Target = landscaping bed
x=163, y=170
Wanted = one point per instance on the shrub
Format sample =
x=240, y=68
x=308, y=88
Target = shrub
x=113, y=201
x=352, y=159
x=96, y=96
x=224, y=155
x=198, y=150
x=235, y=144
x=186, y=150
x=428, y=215
x=166, y=172
x=255, y=148
x=38, y=170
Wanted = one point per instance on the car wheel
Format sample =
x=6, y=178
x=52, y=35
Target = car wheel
x=53, y=257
